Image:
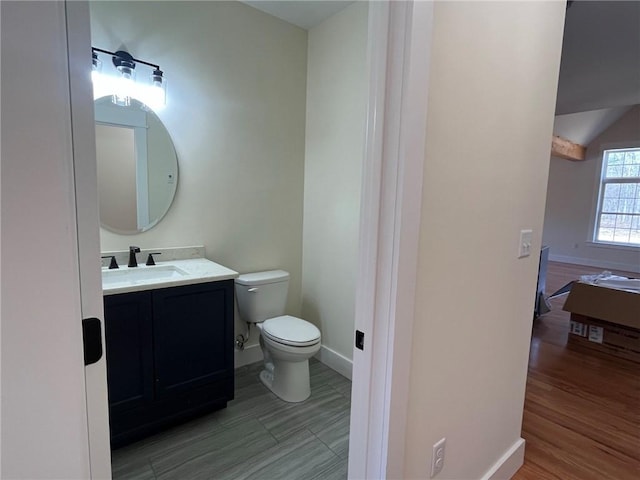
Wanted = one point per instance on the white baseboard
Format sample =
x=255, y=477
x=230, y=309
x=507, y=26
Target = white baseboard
x=251, y=354
x=507, y=466
x=335, y=361
x=589, y=262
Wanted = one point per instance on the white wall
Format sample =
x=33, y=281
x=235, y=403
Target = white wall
x=492, y=89
x=336, y=108
x=572, y=198
x=236, y=114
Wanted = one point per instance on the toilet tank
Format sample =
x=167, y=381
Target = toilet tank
x=262, y=295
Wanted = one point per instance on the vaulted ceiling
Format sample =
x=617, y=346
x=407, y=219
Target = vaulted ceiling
x=600, y=65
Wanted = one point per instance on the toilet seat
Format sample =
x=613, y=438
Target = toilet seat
x=289, y=330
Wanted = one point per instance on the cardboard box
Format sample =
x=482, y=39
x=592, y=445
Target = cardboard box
x=605, y=319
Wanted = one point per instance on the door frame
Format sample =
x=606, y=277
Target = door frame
x=399, y=36
x=399, y=47
x=88, y=226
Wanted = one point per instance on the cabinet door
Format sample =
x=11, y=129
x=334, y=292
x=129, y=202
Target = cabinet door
x=193, y=336
x=128, y=332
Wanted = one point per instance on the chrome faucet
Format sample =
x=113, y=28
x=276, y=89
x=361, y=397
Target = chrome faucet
x=133, y=261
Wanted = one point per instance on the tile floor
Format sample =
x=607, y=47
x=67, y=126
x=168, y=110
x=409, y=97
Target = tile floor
x=257, y=436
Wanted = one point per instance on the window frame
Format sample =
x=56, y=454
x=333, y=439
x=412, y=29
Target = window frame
x=601, y=183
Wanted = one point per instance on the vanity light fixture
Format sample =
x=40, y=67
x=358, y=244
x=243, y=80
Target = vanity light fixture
x=96, y=65
x=122, y=84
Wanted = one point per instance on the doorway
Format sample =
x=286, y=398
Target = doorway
x=270, y=187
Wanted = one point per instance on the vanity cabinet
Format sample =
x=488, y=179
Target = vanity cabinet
x=169, y=356
x=128, y=332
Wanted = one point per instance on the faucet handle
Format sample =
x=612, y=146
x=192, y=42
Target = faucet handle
x=150, y=260
x=112, y=264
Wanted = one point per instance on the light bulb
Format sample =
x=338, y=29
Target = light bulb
x=156, y=93
x=98, y=80
x=124, y=86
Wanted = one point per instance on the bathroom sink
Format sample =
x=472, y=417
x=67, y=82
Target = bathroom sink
x=171, y=273
x=141, y=275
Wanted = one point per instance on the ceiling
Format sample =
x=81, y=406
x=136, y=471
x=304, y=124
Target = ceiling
x=600, y=66
x=303, y=13
x=582, y=127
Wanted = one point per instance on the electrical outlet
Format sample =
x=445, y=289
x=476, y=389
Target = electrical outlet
x=437, y=457
x=524, y=248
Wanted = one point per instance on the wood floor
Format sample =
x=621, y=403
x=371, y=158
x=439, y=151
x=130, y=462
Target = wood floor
x=582, y=408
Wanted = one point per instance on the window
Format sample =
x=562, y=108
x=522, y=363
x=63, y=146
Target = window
x=618, y=214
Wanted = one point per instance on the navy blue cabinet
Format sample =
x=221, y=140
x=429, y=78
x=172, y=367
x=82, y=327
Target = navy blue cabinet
x=128, y=332
x=169, y=356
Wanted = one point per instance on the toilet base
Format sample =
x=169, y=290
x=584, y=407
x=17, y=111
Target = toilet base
x=288, y=380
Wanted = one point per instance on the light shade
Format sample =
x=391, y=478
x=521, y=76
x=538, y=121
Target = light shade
x=124, y=86
x=155, y=95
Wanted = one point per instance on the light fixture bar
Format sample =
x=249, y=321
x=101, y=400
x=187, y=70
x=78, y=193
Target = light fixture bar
x=118, y=55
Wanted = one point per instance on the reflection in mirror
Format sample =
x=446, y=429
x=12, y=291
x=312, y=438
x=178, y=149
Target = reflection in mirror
x=137, y=167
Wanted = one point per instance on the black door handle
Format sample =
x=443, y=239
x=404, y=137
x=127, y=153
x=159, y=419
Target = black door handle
x=92, y=340
x=359, y=339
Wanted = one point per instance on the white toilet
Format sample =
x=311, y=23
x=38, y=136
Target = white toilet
x=287, y=342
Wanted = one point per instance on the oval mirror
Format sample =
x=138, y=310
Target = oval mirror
x=137, y=167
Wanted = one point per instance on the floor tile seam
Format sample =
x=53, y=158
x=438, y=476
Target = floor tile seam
x=267, y=429
x=153, y=470
x=337, y=443
x=325, y=444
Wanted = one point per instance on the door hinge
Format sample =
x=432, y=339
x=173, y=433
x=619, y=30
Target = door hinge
x=359, y=339
x=92, y=340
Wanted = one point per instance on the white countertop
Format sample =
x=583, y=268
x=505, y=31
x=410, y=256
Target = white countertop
x=192, y=271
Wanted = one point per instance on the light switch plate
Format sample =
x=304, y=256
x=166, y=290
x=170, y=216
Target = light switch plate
x=524, y=248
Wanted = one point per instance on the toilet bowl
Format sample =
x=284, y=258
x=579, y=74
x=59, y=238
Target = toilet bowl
x=286, y=370
x=287, y=342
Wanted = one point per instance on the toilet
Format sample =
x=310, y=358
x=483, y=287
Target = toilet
x=287, y=342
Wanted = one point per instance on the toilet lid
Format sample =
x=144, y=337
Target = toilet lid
x=291, y=331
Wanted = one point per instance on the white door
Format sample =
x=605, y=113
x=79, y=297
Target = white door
x=398, y=56
x=45, y=243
